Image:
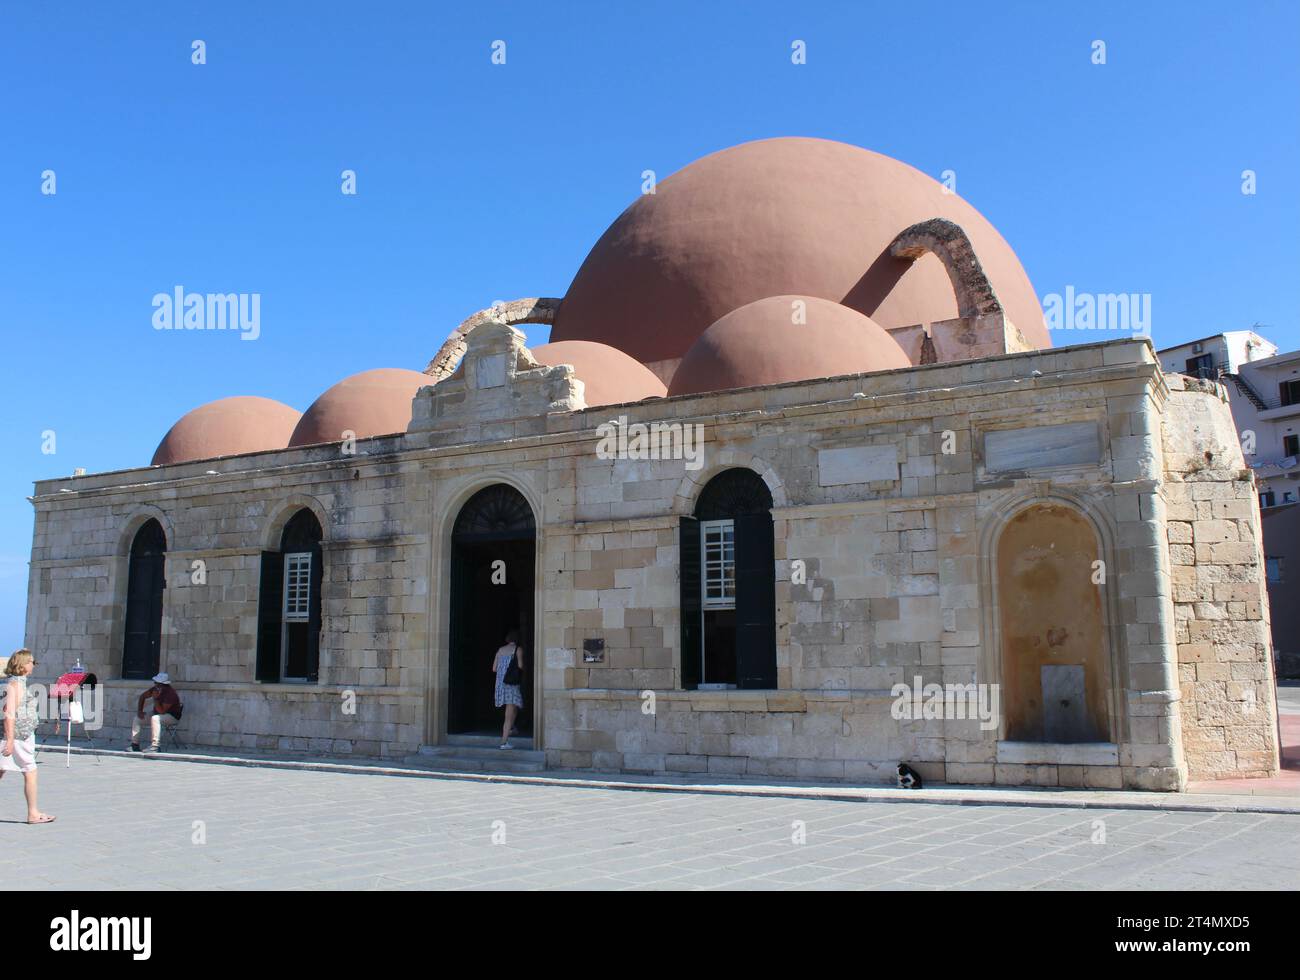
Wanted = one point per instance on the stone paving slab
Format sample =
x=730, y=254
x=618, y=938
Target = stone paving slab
x=951, y=795
x=244, y=827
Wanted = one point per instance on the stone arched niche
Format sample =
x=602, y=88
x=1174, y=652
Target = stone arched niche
x=1055, y=656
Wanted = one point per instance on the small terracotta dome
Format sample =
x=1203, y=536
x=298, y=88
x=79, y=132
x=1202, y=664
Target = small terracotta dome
x=763, y=344
x=372, y=403
x=610, y=377
x=228, y=427
x=791, y=215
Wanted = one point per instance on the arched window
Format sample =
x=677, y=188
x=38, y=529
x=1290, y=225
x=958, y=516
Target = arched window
x=1055, y=676
x=728, y=586
x=289, y=607
x=495, y=512
x=144, y=602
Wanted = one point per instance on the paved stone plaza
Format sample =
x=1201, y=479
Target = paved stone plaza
x=269, y=828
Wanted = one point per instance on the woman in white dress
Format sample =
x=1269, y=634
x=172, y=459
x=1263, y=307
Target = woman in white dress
x=509, y=696
x=18, y=753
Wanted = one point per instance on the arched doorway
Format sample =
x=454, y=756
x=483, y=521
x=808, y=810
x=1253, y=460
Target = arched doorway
x=146, y=578
x=728, y=586
x=493, y=545
x=1055, y=651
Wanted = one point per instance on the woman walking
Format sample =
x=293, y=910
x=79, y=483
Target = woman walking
x=508, y=665
x=19, y=752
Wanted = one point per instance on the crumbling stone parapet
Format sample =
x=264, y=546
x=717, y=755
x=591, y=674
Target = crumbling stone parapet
x=497, y=380
x=947, y=240
x=513, y=313
x=981, y=328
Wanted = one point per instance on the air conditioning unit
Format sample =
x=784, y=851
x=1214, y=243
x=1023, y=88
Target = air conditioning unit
x=1197, y=348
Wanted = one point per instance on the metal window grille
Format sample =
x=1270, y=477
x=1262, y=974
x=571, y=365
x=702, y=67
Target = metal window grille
x=297, y=588
x=718, y=555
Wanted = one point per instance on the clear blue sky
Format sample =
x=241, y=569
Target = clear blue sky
x=479, y=182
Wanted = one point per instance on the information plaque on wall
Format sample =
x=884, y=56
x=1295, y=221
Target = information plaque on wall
x=593, y=651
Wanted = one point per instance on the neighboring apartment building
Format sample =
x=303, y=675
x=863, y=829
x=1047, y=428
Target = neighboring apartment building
x=1264, y=392
x=1281, y=526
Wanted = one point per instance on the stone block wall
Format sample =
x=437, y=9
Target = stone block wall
x=374, y=597
x=898, y=584
x=888, y=493
x=627, y=597
x=1221, y=616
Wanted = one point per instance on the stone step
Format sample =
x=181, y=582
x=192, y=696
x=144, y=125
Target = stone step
x=447, y=763
x=483, y=753
x=481, y=741
x=473, y=753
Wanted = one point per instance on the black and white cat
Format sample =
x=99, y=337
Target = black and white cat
x=908, y=778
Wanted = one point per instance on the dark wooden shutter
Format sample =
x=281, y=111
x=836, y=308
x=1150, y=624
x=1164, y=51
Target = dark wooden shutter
x=146, y=579
x=755, y=603
x=691, y=604
x=158, y=573
x=270, y=602
x=314, y=615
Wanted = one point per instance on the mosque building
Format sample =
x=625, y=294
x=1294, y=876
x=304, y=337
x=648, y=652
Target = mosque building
x=797, y=489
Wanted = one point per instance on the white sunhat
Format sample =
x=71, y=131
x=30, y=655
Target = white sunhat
x=161, y=678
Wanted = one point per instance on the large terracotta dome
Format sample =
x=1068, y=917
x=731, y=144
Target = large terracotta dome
x=765, y=343
x=228, y=427
x=791, y=215
x=610, y=377
x=372, y=403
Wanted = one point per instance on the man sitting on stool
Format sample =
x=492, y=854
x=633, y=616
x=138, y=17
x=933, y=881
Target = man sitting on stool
x=166, y=711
